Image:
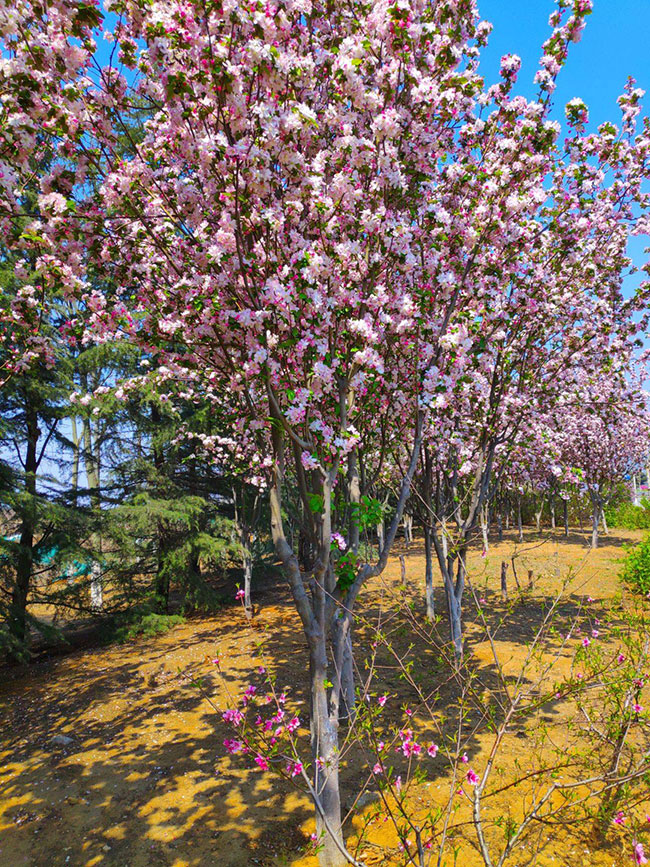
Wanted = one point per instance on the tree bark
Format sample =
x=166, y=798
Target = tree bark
x=594, y=524
x=17, y=621
x=325, y=757
x=428, y=574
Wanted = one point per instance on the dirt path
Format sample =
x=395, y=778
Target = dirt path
x=143, y=779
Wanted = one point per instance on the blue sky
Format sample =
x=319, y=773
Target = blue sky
x=615, y=44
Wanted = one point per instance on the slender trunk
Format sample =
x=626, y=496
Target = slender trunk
x=354, y=488
x=428, y=573
x=408, y=529
x=347, y=703
x=17, y=620
x=551, y=506
x=96, y=588
x=594, y=525
x=538, y=516
x=455, y=604
x=566, y=518
x=162, y=580
x=519, y=524
x=248, y=575
x=75, y=459
x=325, y=757
x=504, y=581
x=484, y=529
x=91, y=466
x=604, y=520
x=380, y=535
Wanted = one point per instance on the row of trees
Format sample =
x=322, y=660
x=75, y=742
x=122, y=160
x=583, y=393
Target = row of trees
x=349, y=272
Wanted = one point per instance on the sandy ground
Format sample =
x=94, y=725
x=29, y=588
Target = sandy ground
x=144, y=779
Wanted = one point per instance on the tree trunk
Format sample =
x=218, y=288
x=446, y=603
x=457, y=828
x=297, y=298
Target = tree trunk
x=325, y=757
x=91, y=465
x=428, y=573
x=504, y=581
x=455, y=605
x=248, y=575
x=96, y=588
x=566, y=518
x=519, y=525
x=551, y=506
x=347, y=704
x=408, y=529
x=594, y=525
x=484, y=529
x=17, y=621
x=604, y=520
x=75, y=459
x=380, y=535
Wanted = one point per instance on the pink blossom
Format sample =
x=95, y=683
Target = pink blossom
x=293, y=724
x=381, y=701
x=639, y=853
x=472, y=778
x=261, y=762
x=239, y=594
x=377, y=769
x=233, y=716
x=432, y=750
x=233, y=746
x=619, y=818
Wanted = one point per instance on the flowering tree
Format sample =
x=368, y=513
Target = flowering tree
x=316, y=216
x=605, y=434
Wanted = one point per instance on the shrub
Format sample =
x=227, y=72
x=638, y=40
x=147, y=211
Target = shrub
x=630, y=517
x=126, y=626
x=636, y=571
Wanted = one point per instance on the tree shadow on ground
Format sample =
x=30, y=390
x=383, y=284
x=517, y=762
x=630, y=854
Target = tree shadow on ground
x=144, y=779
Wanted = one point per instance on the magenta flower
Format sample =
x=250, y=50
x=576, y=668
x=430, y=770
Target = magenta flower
x=381, y=701
x=233, y=716
x=233, y=746
x=464, y=758
x=239, y=594
x=261, y=762
x=620, y=657
x=294, y=769
x=637, y=708
x=472, y=778
x=619, y=818
x=586, y=642
x=639, y=854
x=432, y=750
x=377, y=769
x=293, y=724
